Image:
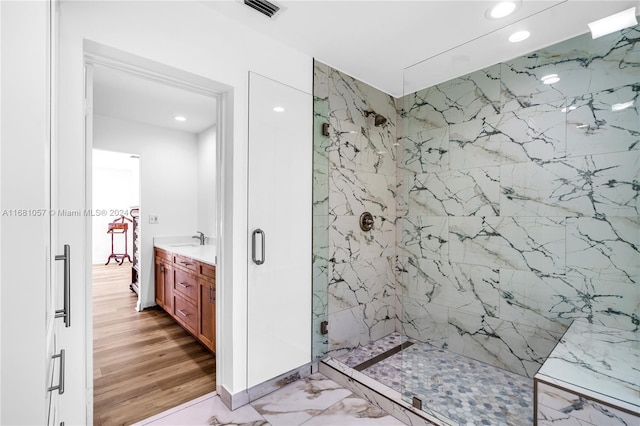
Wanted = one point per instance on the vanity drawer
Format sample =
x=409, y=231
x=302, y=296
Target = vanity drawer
x=185, y=283
x=207, y=271
x=185, y=262
x=185, y=311
x=164, y=255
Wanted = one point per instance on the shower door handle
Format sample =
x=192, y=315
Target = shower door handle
x=65, y=312
x=253, y=247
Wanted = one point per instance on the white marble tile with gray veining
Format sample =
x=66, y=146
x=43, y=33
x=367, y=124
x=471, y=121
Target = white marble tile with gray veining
x=461, y=99
x=360, y=282
x=568, y=408
x=546, y=301
x=468, y=288
x=583, y=65
x=605, y=249
x=525, y=243
x=612, y=304
x=552, y=302
x=423, y=237
x=348, y=243
x=352, y=193
x=321, y=145
x=425, y=321
x=320, y=80
x=300, y=401
x=514, y=347
x=469, y=192
x=603, y=122
x=353, y=411
x=361, y=325
x=362, y=149
x=479, y=143
x=597, y=185
x=539, y=131
x=422, y=152
x=352, y=101
x=403, y=183
x=598, y=362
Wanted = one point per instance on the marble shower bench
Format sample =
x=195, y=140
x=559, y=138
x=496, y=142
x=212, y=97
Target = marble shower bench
x=592, y=377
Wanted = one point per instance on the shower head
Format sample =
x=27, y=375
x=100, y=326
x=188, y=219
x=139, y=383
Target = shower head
x=379, y=120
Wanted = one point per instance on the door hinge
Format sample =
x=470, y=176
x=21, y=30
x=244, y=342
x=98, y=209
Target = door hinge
x=324, y=327
x=212, y=294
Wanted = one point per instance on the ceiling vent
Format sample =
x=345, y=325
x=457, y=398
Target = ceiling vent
x=263, y=6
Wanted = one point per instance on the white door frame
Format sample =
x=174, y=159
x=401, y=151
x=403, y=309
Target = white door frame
x=97, y=54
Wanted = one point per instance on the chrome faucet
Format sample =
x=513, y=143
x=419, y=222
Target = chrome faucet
x=200, y=237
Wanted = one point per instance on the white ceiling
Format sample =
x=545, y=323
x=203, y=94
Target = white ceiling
x=126, y=96
x=374, y=41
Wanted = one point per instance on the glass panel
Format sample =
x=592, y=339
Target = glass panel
x=515, y=200
x=320, y=214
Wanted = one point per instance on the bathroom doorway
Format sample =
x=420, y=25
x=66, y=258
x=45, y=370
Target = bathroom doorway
x=141, y=355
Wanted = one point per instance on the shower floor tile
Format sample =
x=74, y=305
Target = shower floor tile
x=365, y=353
x=466, y=391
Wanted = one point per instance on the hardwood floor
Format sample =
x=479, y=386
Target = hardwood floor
x=144, y=362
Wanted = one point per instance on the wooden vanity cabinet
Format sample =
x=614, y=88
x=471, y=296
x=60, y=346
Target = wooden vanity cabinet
x=207, y=309
x=185, y=288
x=164, y=279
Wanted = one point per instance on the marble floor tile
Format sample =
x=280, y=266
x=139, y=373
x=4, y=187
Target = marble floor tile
x=207, y=411
x=315, y=400
x=298, y=402
x=353, y=411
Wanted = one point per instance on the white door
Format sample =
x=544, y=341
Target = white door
x=279, y=275
x=30, y=361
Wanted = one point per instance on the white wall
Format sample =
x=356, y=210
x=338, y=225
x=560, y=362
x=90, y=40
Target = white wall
x=207, y=182
x=192, y=37
x=24, y=168
x=116, y=188
x=168, y=183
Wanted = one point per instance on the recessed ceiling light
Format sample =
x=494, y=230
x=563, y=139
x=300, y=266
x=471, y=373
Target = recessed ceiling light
x=621, y=106
x=179, y=118
x=519, y=36
x=502, y=9
x=550, y=79
x=613, y=23
x=278, y=109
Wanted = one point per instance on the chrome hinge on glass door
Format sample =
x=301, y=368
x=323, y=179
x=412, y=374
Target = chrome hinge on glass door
x=65, y=312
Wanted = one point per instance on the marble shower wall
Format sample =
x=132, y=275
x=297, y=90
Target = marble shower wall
x=354, y=172
x=518, y=202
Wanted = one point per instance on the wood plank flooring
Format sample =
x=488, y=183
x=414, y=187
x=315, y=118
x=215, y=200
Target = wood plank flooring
x=144, y=362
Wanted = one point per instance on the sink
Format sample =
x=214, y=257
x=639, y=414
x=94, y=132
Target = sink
x=185, y=245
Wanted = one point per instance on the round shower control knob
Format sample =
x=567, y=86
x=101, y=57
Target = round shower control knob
x=366, y=221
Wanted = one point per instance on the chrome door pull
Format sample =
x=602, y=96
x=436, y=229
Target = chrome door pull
x=65, y=312
x=253, y=246
x=60, y=387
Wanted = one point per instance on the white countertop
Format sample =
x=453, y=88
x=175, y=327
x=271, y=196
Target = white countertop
x=189, y=247
x=599, y=362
